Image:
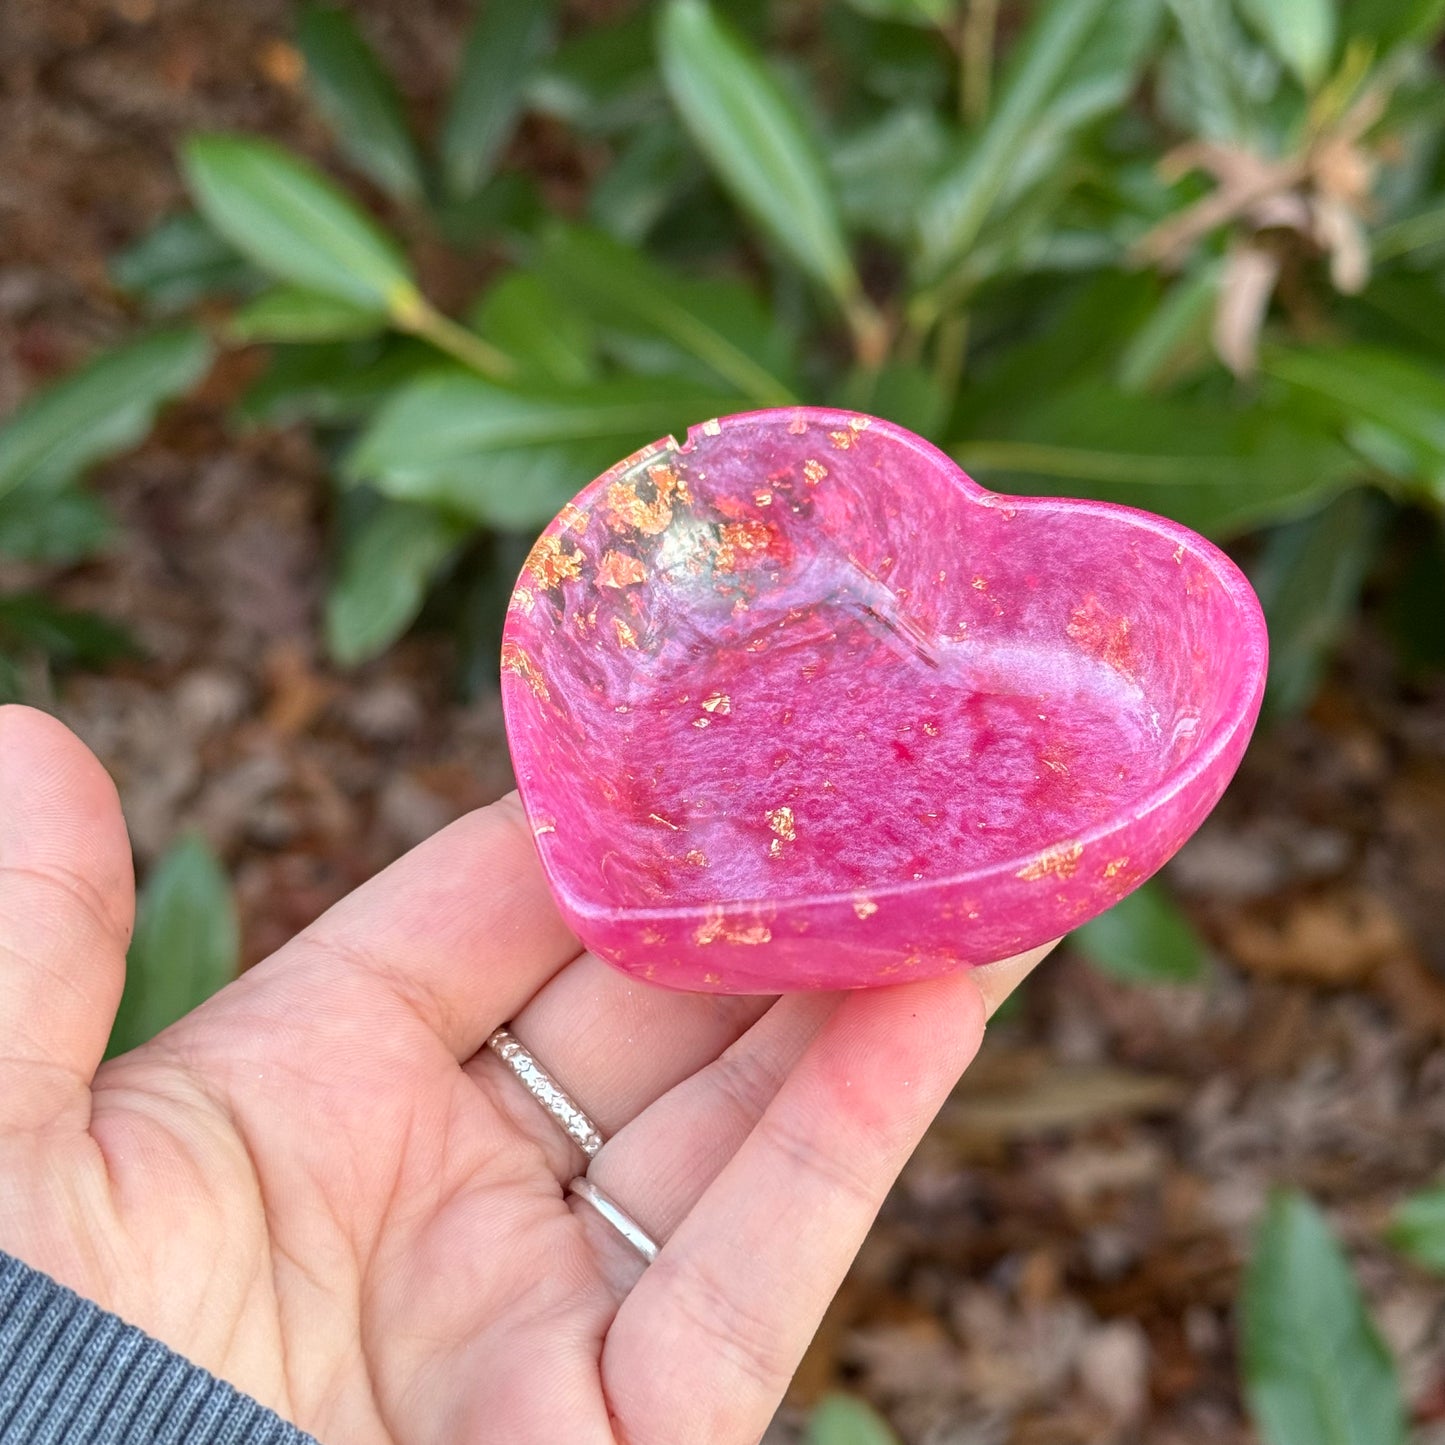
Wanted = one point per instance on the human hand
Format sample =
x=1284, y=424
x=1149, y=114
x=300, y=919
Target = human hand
x=317, y=1187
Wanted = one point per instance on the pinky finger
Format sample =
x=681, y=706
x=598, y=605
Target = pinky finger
x=703, y=1348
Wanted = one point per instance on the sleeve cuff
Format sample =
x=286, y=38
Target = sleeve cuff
x=70, y=1371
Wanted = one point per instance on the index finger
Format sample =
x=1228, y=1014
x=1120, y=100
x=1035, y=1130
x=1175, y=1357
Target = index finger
x=461, y=931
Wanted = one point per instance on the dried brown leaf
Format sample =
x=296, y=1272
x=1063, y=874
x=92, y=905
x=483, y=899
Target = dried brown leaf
x=1060, y=1097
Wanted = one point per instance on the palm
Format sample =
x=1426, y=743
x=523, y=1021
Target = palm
x=341, y=1226
x=318, y=1188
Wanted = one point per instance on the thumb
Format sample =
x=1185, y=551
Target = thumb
x=67, y=905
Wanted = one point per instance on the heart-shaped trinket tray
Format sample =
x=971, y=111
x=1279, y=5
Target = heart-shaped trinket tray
x=797, y=704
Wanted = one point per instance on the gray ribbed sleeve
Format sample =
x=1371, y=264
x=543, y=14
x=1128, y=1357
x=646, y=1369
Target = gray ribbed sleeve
x=71, y=1373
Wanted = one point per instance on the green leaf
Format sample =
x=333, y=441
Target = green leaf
x=40, y=524
x=1049, y=161
x=104, y=408
x=959, y=204
x=332, y=383
x=359, y=100
x=650, y=174
x=1390, y=407
x=29, y=621
x=1417, y=1228
x=847, y=1420
x=186, y=944
x=884, y=170
x=756, y=139
x=1400, y=310
x=1175, y=338
x=1219, y=83
x=510, y=458
x=1215, y=470
x=508, y=40
x=295, y=223
x=1075, y=334
x=290, y=313
x=898, y=65
x=1422, y=229
x=1388, y=23
x=550, y=340
x=180, y=262
x=1316, y=1371
x=386, y=565
x=1300, y=32
x=1413, y=613
x=601, y=79
x=11, y=689
x=934, y=14
x=1143, y=938
x=507, y=211
x=719, y=323
x=491, y=571
x=1309, y=580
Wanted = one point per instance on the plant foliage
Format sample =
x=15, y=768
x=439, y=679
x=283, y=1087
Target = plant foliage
x=1224, y=305
x=1316, y=1371
x=186, y=944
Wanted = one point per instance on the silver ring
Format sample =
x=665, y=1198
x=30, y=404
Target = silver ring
x=547, y=1092
x=617, y=1217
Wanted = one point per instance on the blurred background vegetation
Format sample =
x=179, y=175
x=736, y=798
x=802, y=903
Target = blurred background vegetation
x=1182, y=254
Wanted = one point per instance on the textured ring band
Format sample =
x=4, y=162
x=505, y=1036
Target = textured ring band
x=617, y=1217
x=546, y=1091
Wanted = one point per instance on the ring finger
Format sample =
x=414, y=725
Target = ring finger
x=614, y=1044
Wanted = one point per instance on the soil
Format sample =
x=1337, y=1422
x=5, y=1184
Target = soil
x=1060, y=1262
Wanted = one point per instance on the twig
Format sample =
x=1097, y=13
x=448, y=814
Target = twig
x=975, y=60
x=416, y=315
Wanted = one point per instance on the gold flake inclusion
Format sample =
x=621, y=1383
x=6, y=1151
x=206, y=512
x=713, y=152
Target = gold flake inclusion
x=780, y=820
x=750, y=535
x=626, y=509
x=715, y=926
x=514, y=659
x=619, y=569
x=551, y=565
x=1060, y=862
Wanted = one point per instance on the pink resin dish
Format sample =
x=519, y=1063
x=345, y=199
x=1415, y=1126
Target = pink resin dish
x=797, y=704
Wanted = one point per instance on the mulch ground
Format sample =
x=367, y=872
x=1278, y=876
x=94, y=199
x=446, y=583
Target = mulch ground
x=1060, y=1262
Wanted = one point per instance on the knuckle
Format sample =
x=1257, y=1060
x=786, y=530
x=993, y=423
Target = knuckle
x=840, y=1173
x=744, y=1337
x=745, y=1082
x=69, y=890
